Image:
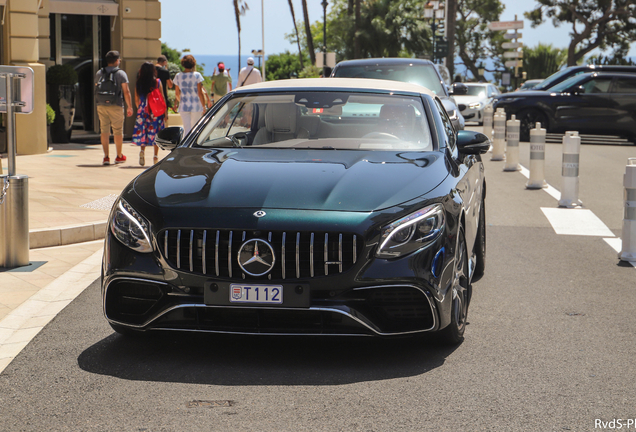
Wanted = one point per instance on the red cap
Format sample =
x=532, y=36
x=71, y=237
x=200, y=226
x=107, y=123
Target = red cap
x=221, y=66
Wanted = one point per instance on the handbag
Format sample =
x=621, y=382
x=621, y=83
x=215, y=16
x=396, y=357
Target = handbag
x=156, y=101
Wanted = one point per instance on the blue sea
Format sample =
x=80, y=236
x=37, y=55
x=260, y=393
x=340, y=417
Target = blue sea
x=209, y=62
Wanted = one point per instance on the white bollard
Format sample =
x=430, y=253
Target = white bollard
x=488, y=112
x=499, y=141
x=512, y=144
x=628, y=236
x=537, y=158
x=570, y=170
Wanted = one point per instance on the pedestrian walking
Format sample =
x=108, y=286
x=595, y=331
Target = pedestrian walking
x=189, y=93
x=249, y=74
x=164, y=75
x=221, y=83
x=150, y=118
x=111, y=90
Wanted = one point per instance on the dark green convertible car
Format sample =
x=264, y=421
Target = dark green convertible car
x=304, y=207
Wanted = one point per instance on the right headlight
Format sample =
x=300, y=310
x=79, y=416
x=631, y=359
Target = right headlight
x=412, y=232
x=130, y=228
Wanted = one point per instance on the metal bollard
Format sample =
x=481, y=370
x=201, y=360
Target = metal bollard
x=14, y=222
x=499, y=142
x=628, y=236
x=537, y=158
x=512, y=144
x=570, y=170
x=488, y=112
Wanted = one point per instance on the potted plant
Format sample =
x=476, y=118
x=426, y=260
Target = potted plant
x=50, y=118
x=61, y=86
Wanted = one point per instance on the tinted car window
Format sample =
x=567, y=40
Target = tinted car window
x=424, y=75
x=624, y=85
x=448, y=126
x=597, y=85
x=476, y=91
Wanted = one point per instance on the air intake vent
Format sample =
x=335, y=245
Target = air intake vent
x=298, y=254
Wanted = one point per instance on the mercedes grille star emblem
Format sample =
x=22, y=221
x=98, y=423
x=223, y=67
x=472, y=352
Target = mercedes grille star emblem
x=260, y=214
x=256, y=257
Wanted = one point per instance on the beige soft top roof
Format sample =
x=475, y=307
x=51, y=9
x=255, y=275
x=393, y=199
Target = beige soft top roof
x=339, y=83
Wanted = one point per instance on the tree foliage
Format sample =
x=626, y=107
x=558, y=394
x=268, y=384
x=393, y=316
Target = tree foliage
x=171, y=54
x=284, y=66
x=604, y=24
x=474, y=42
x=543, y=60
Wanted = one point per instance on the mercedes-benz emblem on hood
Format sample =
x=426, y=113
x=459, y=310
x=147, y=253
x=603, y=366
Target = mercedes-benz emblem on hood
x=256, y=257
x=260, y=214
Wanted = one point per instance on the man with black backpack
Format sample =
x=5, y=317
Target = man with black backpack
x=111, y=89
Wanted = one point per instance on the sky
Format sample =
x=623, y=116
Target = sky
x=208, y=27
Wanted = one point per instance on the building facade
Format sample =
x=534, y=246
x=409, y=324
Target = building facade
x=42, y=33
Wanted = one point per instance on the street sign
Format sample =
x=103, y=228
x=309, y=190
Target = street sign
x=513, y=54
x=331, y=59
x=508, y=45
x=514, y=63
x=515, y=35
x=505, y=25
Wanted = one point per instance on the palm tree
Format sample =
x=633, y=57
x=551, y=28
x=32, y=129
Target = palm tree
x=300, y=53
x=240, y=7
x=310, y=39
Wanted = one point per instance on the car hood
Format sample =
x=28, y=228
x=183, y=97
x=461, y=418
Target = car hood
x=338, y=180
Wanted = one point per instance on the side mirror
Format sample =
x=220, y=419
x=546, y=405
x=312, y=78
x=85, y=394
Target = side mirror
x=459, y=89
x=169, y=138
x=469, y=142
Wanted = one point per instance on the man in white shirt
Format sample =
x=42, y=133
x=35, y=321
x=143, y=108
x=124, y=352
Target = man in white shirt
x=249, y=74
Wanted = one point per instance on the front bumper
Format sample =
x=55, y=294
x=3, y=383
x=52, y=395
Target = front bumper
x=373, y=298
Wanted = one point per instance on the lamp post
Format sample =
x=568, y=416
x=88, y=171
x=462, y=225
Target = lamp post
x=259, y=54
x=481, y=70
x=324, y=38
x=434, y=10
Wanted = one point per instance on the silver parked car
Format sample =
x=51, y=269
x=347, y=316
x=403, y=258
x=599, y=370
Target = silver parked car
x=472, y=104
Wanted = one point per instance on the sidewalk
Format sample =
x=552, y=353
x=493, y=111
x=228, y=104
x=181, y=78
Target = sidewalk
x=70, y=196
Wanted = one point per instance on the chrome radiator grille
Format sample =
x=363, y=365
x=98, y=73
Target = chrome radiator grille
x=298, y=254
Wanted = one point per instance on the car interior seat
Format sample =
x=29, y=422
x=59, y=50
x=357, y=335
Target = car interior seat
x=281, y=122
x=398, y=120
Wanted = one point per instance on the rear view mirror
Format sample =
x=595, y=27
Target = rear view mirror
x=459, y=89
x=469, y=142
x=169, y=138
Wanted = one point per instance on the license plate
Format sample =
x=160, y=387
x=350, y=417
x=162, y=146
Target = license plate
x=259, y=294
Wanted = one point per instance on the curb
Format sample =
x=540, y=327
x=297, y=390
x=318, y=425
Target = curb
x=66, y=235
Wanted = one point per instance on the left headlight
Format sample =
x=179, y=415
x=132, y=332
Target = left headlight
x=130, y=228
x=475, y=105
x=412, y=232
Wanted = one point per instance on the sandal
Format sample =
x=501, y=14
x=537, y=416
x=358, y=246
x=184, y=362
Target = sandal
x=142, y=160
x=155, y=160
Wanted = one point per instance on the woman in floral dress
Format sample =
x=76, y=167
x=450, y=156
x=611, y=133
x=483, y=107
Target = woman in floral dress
x=146, y=124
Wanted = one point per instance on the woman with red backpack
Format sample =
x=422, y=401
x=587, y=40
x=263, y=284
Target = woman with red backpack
x=151, y=110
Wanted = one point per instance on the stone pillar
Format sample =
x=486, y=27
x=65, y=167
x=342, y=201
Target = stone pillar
x=139, y=33
x=22, y=49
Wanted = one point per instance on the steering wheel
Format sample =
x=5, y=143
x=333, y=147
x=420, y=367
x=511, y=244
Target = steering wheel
x=381, y=135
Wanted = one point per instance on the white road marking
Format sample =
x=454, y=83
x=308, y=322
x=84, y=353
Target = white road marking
x=576, y=222
x=25, y=322
x=549, y=190
x=617, y=245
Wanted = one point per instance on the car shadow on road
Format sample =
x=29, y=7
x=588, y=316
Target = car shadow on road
x=251, y=360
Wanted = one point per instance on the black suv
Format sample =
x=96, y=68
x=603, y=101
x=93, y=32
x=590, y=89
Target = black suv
x=414, y=71
x=571, y=71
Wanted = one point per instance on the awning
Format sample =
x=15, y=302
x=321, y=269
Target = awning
x=84, y=7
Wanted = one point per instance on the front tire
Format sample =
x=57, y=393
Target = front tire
x=528, y=119
x=453, y=334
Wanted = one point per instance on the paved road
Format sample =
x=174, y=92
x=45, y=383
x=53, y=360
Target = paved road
x=550, y=347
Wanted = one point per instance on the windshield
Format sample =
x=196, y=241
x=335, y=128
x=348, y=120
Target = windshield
x=555, y=77
x=319, y=120
x=564, y=85
x=423, y=75
x=476, y=91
